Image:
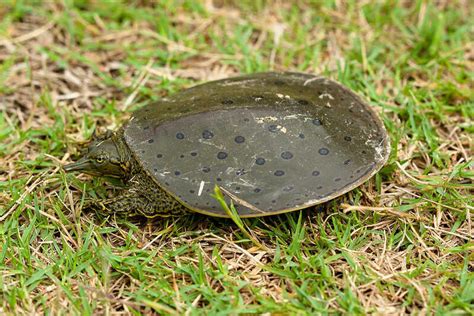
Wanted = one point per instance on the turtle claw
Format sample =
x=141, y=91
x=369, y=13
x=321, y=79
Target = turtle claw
x=97, y=205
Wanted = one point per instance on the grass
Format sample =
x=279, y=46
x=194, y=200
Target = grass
x=401, y=243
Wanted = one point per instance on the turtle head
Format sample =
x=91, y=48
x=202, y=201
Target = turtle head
x=106, y=156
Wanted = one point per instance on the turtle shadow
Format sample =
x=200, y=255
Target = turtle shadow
x=266, y=228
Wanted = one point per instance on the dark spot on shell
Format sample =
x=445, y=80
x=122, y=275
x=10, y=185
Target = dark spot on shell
x=154, y=169
x=347, y=138
x=257, y=190
x=191, y=191
x=177, y=173
x=257, y=203
x=181, y=156
x=166, y=183
x=279, y=173
x=347, y=161
x=273, y=128
x=237, y=188
x=179, y=135
x=317, y=122
x=194, y=154
x=227, y=102
x=159, y=156
x=316, y=173
x=319, y=187
x=323, y=151
x=146, y=127
x=260, y=161
x=273, y=201
x=286, y=155
x=301, y=135
x=364, y=152
x=221, y=155
x=303, y=102
x=239, y=139
x=218, y=179
x=246, y=119
x=207, y=134
x=150, y=141
x=206, y=169
x=143, y=151
x=337, y=179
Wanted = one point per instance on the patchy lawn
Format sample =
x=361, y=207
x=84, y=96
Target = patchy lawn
x=401, y=243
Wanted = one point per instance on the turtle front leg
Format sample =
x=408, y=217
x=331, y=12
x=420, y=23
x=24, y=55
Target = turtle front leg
x=129, y=205
x=142, y=198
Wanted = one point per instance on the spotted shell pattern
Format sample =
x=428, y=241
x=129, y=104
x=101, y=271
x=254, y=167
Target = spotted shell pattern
x=275, y=142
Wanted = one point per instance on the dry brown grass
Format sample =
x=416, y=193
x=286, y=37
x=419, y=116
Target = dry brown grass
x=404, y=245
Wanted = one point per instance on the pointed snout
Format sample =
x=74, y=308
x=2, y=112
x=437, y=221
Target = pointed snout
x=80, y=165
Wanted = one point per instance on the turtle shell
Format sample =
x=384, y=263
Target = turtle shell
x=274, y=142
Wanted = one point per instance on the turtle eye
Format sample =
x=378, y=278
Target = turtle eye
x=100, y=159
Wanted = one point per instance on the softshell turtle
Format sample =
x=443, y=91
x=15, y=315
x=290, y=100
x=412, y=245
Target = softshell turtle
x=274, y=142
